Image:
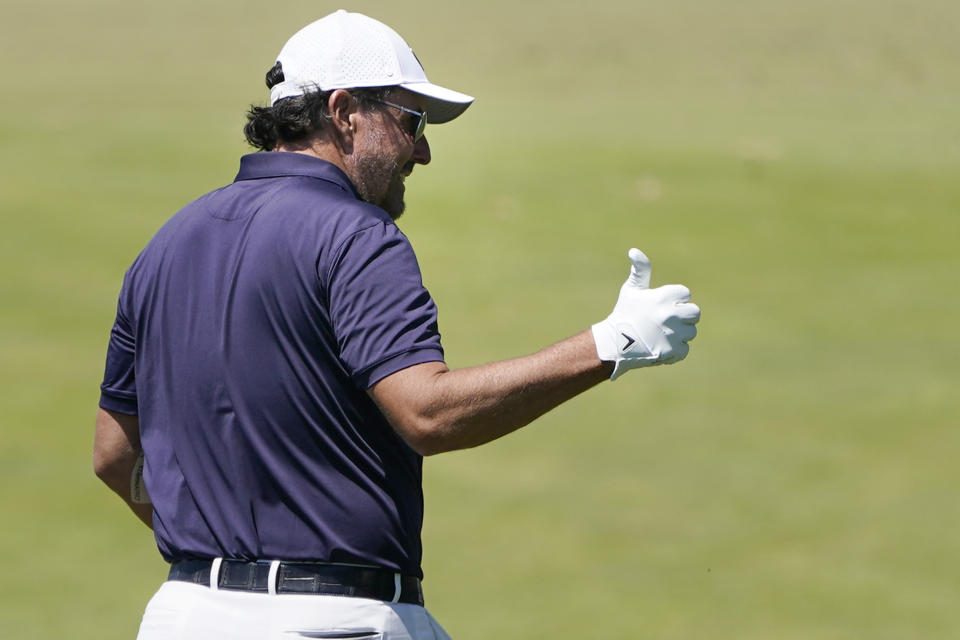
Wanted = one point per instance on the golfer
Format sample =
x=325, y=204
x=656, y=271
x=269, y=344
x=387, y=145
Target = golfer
x=275, y=374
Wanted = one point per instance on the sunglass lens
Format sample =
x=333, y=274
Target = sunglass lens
x=420, y=126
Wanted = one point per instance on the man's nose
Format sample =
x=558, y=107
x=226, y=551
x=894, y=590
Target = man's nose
x=421, y=151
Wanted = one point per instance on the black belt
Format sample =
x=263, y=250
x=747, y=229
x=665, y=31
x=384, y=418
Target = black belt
x=303, y=578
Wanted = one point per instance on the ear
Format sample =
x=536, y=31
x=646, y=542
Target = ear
x=343, y=110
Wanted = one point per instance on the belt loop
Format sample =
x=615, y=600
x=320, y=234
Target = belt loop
x=215, y=573
x=396, y=588
x=272, y=577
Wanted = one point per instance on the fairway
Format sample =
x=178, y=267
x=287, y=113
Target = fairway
x=795, y=164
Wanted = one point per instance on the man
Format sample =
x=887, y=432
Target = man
x=275, y=367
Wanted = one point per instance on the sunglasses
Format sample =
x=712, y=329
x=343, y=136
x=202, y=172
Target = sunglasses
x=416, y=127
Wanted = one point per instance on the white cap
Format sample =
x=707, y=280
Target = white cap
x=349, y=50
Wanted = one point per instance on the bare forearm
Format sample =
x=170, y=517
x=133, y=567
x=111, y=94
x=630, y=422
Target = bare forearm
x=118, y=479
x=468, y=407
x=122, y=481
x=143, y=510
x=116, y=454
x=479, y=404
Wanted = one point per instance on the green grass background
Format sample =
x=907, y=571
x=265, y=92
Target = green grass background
x=795, y=163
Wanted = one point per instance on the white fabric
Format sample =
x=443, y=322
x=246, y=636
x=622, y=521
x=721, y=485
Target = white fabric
x=272, y=577
x=215, y=573
x=185, y=611
x=138, y=490
x=346, y=50
x=397, y=587
x=648, y=326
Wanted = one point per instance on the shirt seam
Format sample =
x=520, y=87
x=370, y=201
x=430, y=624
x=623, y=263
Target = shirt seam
x=338, y=252
x=365, y=372
x=335, y=259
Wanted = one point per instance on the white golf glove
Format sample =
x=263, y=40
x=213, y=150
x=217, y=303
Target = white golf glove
x=648, y=326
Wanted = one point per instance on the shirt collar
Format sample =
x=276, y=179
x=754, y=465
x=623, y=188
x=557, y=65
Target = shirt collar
x=277, y=164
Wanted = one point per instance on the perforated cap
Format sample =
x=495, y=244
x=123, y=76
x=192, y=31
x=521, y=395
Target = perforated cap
x=350, y=50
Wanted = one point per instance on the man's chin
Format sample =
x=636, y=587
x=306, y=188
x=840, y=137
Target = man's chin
x=395, y=211
x=393, y=202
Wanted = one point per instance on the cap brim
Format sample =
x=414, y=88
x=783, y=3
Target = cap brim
x=441, y=104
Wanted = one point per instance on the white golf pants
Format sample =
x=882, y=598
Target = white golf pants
x=184, y=611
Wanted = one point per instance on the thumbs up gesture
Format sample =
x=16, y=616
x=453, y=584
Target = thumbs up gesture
x=648, y=326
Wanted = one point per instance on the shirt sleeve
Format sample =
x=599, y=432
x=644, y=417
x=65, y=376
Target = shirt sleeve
x=118, y=391
x=383, y=318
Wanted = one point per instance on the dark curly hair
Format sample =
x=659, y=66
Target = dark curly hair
x=292, y=120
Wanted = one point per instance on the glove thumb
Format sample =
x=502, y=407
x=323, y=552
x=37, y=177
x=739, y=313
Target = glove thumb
x=639, y=270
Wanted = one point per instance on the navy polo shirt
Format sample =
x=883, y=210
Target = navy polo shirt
x=247, y=332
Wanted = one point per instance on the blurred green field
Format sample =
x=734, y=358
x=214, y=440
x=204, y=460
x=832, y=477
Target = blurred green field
x=795, y=164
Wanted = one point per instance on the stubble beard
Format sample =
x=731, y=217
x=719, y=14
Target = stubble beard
x=378, y=176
